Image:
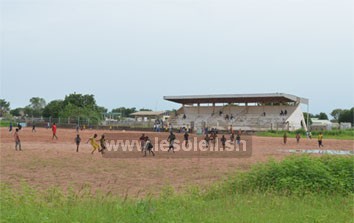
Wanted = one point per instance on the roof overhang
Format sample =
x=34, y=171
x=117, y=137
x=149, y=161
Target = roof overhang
x=237, y=98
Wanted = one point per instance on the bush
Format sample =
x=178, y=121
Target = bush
x=296, y=175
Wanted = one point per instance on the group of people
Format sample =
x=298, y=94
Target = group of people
x=283, y=113
x=309, y=136
x=101, y=147
x=158, y=125
x=146, y=145
x=17, y=135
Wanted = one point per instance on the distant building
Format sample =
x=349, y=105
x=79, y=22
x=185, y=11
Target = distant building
x=321, y=125
x=345, y=125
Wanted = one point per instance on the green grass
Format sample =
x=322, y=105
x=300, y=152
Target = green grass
x=330, y=134
x=53, y=206
x=264, y=194
x=4, y=123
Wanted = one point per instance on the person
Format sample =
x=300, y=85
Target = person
x=320, y=138
x=285, y=138
x=207, y=139
x=285, y=112
x=93, y=143
x=142, y=142
x=17, y=140
x=171, y=139
x=238, y=139
x=54, y=130
x=102, y=144
x=10, y=127
x=281, y=113
x=186, y=138
x=77, y=141
x=19, y=126
x=48, y=125
x=34, y=128
x=148, y=147
x=77, y=128
x=232, y=137
x=298, y=138
x=223, y=141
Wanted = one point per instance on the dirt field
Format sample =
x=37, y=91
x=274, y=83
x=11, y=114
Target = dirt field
x=45, y=163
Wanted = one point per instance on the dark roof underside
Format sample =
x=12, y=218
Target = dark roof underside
x=237, y=98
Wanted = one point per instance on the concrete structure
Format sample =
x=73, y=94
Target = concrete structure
x=256, y=112
x=148, y=115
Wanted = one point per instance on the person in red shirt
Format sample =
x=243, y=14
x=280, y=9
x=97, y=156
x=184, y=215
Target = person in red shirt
x=54, y=130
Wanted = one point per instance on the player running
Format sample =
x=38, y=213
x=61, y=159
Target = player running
x=142, y=140
x=93, y=143
x=54, y=130
x=171, y=139
x=148, y=146
x=103, y=144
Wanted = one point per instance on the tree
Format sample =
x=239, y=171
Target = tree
x=125, y=112
x=81, y=106
x=53, y=108
x=102, y=109
x=37, y=103
x=4, y=107
x=145, y=109
x=80, y=100
x=18, y=112
x=310, y=116
x=347, y=116
x=322, y=116
x=73, y=111
x=36, y=106
x=335, y=113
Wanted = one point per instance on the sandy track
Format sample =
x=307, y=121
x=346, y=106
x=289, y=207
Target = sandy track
x=44, y=163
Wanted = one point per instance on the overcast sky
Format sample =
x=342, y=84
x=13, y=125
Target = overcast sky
x=133, y=52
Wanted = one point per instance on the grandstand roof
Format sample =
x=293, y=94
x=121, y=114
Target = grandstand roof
x=237, y=98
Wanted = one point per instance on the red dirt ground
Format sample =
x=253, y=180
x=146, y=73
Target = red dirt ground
x=45, y=163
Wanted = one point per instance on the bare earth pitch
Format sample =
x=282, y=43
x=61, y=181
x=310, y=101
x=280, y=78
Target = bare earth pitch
x=45, y=163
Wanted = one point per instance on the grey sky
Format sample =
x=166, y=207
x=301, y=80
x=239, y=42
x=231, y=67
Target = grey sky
x=131, y=53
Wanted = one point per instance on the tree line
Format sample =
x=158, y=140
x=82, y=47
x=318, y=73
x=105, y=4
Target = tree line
x=81, y=106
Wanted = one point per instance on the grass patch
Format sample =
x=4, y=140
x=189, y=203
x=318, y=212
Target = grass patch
x=6, y=123
x=298, y=189
x=295, y=175
x=347, y=134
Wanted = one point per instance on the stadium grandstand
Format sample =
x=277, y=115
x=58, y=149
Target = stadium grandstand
x=249, y=112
